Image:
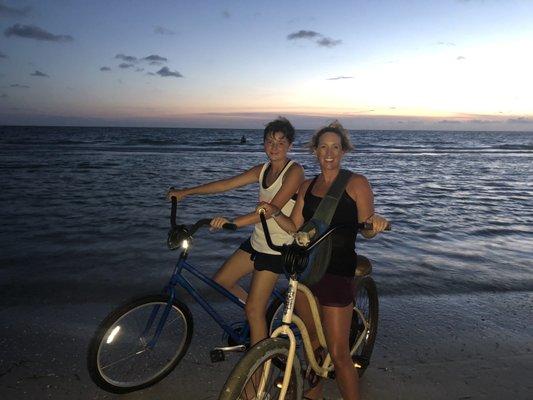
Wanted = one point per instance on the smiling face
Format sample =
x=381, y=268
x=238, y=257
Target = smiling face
x=276, y=146
x=329, y=151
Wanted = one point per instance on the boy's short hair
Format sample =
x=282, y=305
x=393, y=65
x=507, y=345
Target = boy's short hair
x=282, y=125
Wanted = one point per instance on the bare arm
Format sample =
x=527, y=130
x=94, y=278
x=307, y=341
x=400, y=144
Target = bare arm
x=292, y=180
x=360, y=190
x=223, y=185
x=296, y=220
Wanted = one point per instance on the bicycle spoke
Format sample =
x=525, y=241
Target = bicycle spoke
x=124, y=359
x=127, y=363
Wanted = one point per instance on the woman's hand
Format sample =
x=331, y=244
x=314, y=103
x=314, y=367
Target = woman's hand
x=268, y=208
x=177, y=193
x=217, y=223
x=379, y=224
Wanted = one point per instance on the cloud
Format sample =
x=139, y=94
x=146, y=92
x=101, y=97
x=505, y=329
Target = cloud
x=139, y=69
x=160, y=30
x=6, y=11
x=40, y=74
x=449, y=121
x=339, y=77
x=2, y=55
x=301, y=34
x=226, y=14
x=461, y=58
x=151, y=73
x=155, y=59
x=104, y=69
x=125, y=65
x=446, y=43
x=16, y=85
x=34, y=32
x=520, y=120
x=128, y=59
x=166, y=72
x=321, y=40
x=3, y=96
x=484, y=121
x=328, y=42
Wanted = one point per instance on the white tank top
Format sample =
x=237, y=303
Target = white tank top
x=278, y=235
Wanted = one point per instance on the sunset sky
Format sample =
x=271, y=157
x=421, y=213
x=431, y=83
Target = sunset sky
x=382, y=64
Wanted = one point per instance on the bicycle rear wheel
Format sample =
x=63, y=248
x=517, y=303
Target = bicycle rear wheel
x=243, y=382
x=123, y=355
x=366, y=301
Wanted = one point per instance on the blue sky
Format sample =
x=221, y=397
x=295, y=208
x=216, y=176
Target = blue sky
x=449, y=64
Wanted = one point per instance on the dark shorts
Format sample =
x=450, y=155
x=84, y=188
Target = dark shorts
x=334, y=290
x=263, y=261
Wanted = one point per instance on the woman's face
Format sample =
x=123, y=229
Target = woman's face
x=277, y=146
x=329, y=151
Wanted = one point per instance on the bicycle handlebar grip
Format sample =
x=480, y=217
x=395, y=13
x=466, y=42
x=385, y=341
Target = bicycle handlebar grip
x=230, y=226
x=366, y=226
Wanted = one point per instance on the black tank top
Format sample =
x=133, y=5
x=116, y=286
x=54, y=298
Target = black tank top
x=343, y=257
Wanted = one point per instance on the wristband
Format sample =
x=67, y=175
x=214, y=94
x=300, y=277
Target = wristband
x=276, y=214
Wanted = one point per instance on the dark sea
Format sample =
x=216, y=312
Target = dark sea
x=84, y=217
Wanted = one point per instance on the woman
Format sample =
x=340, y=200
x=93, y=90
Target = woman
x=279, y=180
x=335, y=291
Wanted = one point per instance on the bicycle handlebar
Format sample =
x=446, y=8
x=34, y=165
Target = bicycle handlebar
x=296, y=256
x=329, y=231
x=205, y=221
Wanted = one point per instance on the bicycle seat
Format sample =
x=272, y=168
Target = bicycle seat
x=364, y=266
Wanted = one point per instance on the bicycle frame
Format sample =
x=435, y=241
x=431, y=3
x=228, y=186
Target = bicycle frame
x=177, y=278
x=285, y=330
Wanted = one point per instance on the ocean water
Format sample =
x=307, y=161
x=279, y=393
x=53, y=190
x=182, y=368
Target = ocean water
x=84, y=217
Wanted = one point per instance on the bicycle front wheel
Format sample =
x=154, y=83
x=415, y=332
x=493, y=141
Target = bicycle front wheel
x=366, y=302
x=244, y=381
x=126, y=354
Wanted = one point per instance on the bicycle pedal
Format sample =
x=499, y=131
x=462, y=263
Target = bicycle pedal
x=217, y=355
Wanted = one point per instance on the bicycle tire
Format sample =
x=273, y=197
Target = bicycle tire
x=122, y=362
x=239, y=381
x=366, y=299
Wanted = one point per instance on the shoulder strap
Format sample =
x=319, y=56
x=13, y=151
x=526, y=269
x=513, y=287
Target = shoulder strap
x=328, y=204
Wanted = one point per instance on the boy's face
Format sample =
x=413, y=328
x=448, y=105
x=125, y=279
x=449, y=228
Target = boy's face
x=276, y=146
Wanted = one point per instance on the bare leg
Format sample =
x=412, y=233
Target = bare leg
x=261, y=288
x=234, y=268
x=336, y=322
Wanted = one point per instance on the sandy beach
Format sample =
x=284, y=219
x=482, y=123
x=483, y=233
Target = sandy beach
x=454, y=275
x=476, y=346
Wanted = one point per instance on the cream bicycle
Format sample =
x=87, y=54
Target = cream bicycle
x=262, y=373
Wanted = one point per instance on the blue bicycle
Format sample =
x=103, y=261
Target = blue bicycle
x=142, y=341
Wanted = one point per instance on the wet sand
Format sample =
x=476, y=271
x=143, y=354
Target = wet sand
x=476, y=346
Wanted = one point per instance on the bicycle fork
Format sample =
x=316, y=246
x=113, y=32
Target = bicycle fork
x=164, y=315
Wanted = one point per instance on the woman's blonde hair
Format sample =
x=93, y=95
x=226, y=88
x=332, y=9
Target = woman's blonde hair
x=334, y=127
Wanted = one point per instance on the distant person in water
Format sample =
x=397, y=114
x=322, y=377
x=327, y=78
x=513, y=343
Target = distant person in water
x=278, y=179
x=335, y=291
x=243, y=139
